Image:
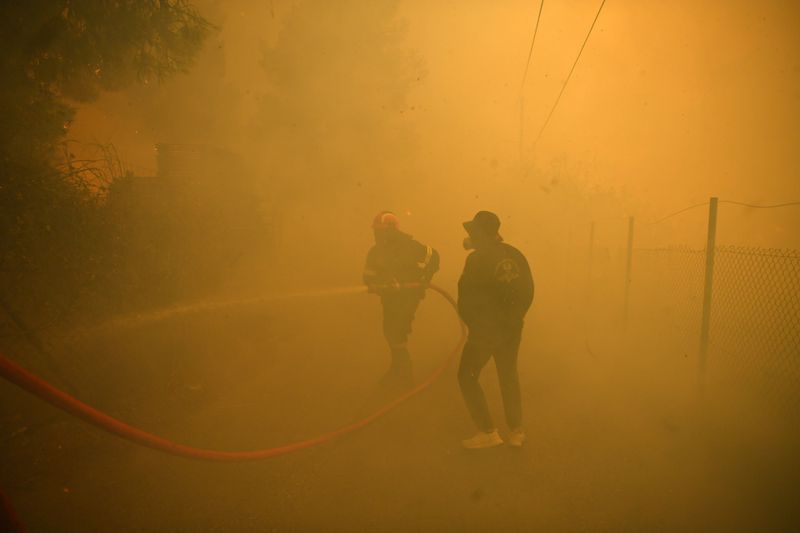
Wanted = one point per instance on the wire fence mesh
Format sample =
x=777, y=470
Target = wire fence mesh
x=754, y=326
x=755, y=319
x=754, y=329
x=667, y=294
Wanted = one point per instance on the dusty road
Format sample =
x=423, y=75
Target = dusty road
x=609, y=449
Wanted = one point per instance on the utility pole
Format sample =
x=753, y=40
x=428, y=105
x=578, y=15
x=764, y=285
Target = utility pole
x=589, y=260
x=708, y=289
x=628, y=268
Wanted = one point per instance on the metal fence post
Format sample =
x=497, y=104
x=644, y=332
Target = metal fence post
x=628, y=267
x=707, y=287
x=590, y=259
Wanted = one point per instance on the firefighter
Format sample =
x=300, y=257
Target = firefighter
x=395, y=260
x=494, y=293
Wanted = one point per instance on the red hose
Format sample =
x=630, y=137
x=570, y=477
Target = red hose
x=38, y=387
x=9, y=521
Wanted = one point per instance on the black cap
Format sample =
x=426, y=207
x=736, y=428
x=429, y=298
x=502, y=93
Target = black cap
x=484, y=221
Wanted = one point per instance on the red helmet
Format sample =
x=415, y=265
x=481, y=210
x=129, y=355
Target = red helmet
x=385, y=220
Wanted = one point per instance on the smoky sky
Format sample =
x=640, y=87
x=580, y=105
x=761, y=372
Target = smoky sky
x=671, y=102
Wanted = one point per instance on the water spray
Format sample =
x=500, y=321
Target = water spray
x=21, y=377
x=136, y=320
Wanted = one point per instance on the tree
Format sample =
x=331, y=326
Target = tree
x=55, y=52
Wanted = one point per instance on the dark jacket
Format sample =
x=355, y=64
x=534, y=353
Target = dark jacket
x=495, y=289
x=401, y=259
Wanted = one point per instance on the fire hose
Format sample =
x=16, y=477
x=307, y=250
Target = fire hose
x=35, y=385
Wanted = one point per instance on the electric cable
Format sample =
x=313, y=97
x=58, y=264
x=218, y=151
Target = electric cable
x=732, y=202
x=754, y=206
x=533, y=41
x=566, y=81
x=525, y=77
x=678, y=212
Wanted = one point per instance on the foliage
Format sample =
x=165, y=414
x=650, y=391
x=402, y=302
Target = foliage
x=54, y=52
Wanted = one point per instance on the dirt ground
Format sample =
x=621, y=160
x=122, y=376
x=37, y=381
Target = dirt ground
x=613, y=444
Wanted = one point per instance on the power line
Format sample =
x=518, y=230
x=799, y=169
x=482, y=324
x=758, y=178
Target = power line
x=744, y=204
x=524, y=77
x=758, y=206
x=679, y=212
x=533, y=41
x=564, y=86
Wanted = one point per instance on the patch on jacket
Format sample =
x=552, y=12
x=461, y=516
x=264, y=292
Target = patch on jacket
x=506, y=271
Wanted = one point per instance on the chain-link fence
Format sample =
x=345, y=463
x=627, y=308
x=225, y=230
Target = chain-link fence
x=667, y=294
x=755, y=318
x=753, y=313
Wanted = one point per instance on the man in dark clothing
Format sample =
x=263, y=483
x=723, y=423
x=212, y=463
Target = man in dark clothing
x=494, y=293
x=395, y=260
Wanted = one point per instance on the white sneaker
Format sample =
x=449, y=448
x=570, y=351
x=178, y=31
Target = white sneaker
x=482, y=440
x=516, y=438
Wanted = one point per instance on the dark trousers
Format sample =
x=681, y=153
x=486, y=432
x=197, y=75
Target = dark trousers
x=398, y=313
x=503, y=344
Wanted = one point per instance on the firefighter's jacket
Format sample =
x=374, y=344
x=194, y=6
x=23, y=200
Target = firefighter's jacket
x=495, y=289
x=400, y=260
